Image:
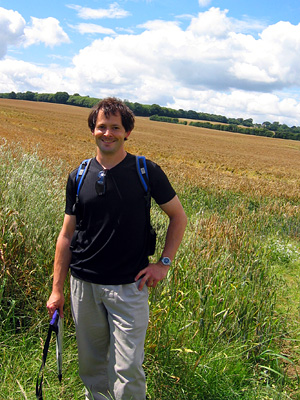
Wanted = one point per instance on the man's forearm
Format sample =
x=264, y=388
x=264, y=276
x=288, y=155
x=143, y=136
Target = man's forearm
x=174, y=235
x=154, y=273
x=61, y=262
x=61, y=265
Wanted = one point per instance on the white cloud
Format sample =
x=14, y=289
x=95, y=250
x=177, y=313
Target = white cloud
x=15, y=32
x=45, y=30
x=11, y=29
x=114, y=11
x=281, y=44
x=211, y=66
x=165, y=61
x=212, y=23
x=22, y=76
x=204, y=3
x=246, y=71
x=238, y=103
x=92, y=28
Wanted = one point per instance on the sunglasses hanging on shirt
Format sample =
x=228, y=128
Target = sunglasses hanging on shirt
x=100, y=184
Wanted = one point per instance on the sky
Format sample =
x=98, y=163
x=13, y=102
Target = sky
x=236, y=58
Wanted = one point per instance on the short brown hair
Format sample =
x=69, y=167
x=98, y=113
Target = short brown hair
x=112, y=105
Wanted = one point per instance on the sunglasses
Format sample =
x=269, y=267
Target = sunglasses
x=100, y=183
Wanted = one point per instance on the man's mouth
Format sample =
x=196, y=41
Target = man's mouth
x=107, y=141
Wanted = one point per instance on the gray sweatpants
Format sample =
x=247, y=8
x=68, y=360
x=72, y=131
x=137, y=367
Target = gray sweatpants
x=111, y=323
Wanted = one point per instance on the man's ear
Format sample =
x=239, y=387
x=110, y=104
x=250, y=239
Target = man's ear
x=127, y=135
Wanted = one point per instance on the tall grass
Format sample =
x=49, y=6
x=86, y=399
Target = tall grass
x=215, y=331
x=215, y=319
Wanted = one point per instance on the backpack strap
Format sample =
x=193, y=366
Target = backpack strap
x=144, y=177
x=142, y=171
x=81, y=172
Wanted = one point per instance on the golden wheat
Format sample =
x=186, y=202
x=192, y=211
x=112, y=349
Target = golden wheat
x=204, y=157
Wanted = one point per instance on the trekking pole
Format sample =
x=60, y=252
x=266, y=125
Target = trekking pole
x=56, y=325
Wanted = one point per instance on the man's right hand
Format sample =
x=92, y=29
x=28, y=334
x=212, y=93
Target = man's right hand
x=56, y=301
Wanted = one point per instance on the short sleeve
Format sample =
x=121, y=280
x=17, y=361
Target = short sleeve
x=160, y=186
x=70, y=193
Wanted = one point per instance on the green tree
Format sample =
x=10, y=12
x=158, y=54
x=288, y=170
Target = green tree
x=248, y=122
x=61, y=97
x=44, y=97
x=26, y=96
x=138, y=109
x=155, y=109
x=192, y=114
x=12, y=95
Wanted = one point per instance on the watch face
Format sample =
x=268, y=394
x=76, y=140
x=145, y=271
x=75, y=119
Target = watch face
x=166, y=260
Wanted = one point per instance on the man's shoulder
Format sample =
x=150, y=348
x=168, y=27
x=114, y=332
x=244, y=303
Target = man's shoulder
x=131, y=159
x=149, y=162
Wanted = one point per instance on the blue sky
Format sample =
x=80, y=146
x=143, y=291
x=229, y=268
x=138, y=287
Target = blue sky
x=230, y=57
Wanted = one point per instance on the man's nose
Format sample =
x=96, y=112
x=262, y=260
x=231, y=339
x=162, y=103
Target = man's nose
x=107, y=131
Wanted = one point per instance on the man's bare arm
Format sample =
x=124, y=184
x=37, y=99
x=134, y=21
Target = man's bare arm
x=154, y=273
x=61, y=265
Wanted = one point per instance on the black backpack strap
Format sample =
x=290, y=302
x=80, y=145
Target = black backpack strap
x=81, y=172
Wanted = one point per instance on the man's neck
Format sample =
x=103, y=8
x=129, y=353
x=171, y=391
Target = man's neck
x=109, y=161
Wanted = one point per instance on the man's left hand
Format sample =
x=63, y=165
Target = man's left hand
x=152, y=274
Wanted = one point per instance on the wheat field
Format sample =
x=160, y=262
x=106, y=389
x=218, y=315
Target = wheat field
x=223, y=160
x=225, y=324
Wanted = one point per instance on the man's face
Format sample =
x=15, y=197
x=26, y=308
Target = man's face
x=110, y=133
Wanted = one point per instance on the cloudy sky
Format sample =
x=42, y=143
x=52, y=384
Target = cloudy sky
x=236, y=58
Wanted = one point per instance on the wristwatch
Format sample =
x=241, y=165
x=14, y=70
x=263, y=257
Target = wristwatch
x=166, y=261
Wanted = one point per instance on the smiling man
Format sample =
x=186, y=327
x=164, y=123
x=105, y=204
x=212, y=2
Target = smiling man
x=104, y=242
x=110, y=136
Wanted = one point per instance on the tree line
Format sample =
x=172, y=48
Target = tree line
x=239, y=125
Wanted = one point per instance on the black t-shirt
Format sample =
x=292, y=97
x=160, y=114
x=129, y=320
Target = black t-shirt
x=110, y=245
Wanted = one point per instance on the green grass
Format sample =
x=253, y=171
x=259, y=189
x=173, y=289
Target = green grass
x=218, y=319
x=219, y=326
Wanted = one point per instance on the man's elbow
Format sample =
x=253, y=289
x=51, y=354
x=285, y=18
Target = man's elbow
x=180, y=219
x=184, y=219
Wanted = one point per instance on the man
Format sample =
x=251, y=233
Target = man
x=104, y=242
